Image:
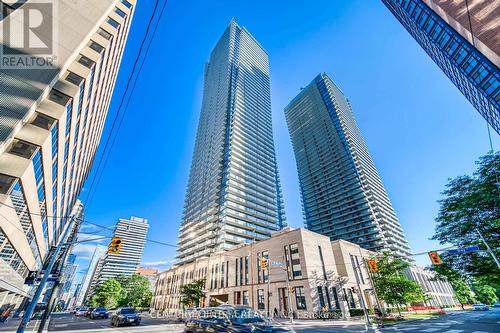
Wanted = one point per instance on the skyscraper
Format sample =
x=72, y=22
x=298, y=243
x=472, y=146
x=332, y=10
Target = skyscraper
x=89, y=275
x=342, y=194
x=461, y=36
x=133, y=233
x=233, y=194
x=51, y=120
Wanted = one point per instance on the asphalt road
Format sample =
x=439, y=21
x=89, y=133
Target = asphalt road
x=68, y=323
x=455, y=322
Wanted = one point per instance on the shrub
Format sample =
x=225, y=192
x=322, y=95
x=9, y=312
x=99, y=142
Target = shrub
x=356, y=312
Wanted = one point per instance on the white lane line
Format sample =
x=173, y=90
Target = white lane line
x=453, y=331
x=430, y=330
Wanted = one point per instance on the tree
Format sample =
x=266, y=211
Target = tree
x=391, y=283
x=471, y=204
x=107, y=294
x=192, y=293
x=484, y=293
x=136, y=291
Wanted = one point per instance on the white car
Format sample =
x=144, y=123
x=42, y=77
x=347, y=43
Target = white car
x=480, y=307
x=80, y=312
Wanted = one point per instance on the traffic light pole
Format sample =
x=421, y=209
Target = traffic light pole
x=31, y=307
x=488, y=248
x=361, y=298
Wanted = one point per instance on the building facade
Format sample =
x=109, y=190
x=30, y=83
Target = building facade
x=51, y=123
x=233, y=194
x=89, y=275
x=310, y=260
x=342, y=194
x=440, y=291
x=462, y=39
x=133, y=233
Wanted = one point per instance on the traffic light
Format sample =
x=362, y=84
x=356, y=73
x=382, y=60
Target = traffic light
x=372, y=264
x=115, y=245
x=263, y=263
x=435, y=259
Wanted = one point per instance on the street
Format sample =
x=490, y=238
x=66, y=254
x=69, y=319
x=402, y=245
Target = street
x=455, y=322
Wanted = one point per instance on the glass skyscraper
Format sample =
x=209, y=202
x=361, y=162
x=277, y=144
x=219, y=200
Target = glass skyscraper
x=233, y=194
x=342, y=194
x=462, y=39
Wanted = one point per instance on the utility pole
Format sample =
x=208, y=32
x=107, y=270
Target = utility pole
x=290, y=313
x=31, y=307
x=361, y=298
x=54, y=292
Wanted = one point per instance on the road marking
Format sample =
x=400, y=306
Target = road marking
x=453, y=331
x=479, y=332
x=430, y=330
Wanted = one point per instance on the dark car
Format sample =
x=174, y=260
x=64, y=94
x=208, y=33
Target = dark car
x=125, y=316
x=240, y=319
x=99, y=313
x=89, y=312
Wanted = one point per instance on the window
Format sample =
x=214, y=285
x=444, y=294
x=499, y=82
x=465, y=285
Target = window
x=23, y=149
x=59, y=97
x=113, y=23
x=6, y=183
x=246, y=300
x=43, y=121
x=336, y=297
x=328, y=301
x=104, y=33
x=96, y=47
x=73, y=78
x=300, y=298
x=260, y=299
x=86, y=61
x=246, y=270
x=322, y=262
x=321, y=299
x=120, y=12
x=126, y=3
x=293, y=261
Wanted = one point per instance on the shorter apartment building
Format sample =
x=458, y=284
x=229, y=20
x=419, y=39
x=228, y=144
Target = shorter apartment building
x=149, y=273
x=440, y=291
x=319, y=272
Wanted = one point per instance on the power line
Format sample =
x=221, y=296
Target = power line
x=128, y=101
x=117, y=115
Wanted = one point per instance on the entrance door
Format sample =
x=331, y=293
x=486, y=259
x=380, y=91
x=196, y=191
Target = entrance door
x=283, y=301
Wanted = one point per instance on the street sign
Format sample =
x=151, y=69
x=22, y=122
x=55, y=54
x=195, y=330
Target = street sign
x=454, y=251
x=472, y=249
x=277, y=264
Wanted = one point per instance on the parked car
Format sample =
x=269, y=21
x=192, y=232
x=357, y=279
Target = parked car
x=125, y=316
x=99, y=313
x=480, y=307
x=80, y=312
x=89, y=311
x=238, y=319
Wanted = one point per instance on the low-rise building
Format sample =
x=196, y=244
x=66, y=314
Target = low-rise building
x=319, y=273
x=149, y=273
x=440, y=291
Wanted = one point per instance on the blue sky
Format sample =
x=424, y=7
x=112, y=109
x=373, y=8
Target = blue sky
x=418, y=127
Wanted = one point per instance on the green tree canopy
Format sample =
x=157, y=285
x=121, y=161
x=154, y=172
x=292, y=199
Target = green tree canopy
x=463, y=292
x=107, y=294
x=484, y=293
x=136, y=291
x=392, y=284
x=192, y=293
x=472, y=203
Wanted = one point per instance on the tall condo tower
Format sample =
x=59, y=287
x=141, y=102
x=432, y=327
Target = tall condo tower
x=233, y=194
x=133, y=233
x=462, y=37
x=342, y=194
x=52, y=112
